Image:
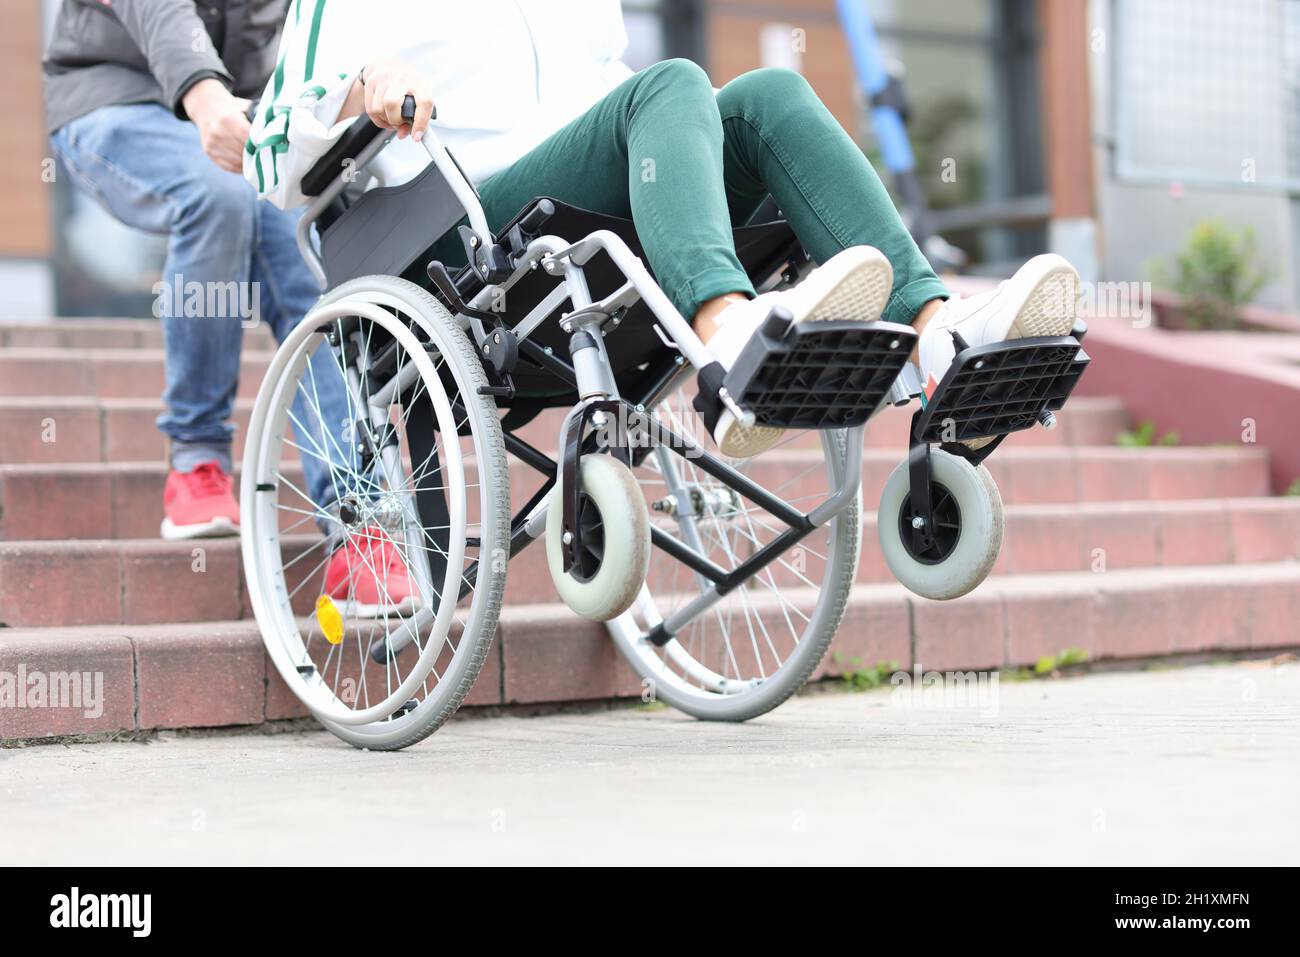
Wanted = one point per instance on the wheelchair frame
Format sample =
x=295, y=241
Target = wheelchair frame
x=989, y=391
x=589, y=373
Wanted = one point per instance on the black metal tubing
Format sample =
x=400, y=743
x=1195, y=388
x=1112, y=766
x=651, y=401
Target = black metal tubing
x=653, y=380
x=918, y=478
x=973, y=456
x=769, y=553
x=530, y=455
x=798, y=523
x=762, y=558
x=732, y=479
x=536, y=354
x=571, y=454
x=687, y=555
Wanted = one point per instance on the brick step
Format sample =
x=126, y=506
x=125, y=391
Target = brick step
x=93, y=429
x=211, y=674
x=53, y=503
x=102, y=334
x=107, y=373
x=74, y=429
x=150, y=580
x=1095, y=536
x=49, y=349
x=124, y=500
x=1087, y=420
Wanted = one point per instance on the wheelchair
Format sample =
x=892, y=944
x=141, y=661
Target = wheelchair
x=550, y=372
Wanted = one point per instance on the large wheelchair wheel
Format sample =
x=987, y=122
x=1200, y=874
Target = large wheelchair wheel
x=748, y=653
x=379, y=386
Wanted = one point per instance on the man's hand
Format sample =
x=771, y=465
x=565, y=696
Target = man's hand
x=387, y=82
x=222, y=120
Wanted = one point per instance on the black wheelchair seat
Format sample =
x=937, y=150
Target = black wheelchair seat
x=637, y=349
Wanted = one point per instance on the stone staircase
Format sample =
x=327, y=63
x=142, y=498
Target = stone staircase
x=1122, y=552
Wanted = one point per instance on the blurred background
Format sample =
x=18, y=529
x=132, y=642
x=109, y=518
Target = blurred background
x=1107, y=130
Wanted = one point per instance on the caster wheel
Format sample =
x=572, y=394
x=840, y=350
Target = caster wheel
x=615, y=541
x=968, y=520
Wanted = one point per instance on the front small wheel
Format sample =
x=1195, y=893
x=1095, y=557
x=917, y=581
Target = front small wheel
x=615, y=540
x=966, y=532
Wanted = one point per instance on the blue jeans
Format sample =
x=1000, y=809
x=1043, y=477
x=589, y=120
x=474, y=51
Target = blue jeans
x=148, y=169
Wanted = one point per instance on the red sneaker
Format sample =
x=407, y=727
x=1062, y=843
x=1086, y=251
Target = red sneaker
x=369, y=575
x=199, y=504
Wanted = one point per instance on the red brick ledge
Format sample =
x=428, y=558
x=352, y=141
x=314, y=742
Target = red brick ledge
x=216, y=674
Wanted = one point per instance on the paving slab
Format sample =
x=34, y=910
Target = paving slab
x=1185, y=766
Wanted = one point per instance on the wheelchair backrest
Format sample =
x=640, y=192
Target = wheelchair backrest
x=387, y=229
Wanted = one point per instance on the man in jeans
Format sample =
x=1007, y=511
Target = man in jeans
x=147, y=107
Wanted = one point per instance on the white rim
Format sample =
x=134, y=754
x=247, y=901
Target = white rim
x=263, y=558
x=738, y=649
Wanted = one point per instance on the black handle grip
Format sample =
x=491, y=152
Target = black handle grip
x=408, y=109
x=543, y=210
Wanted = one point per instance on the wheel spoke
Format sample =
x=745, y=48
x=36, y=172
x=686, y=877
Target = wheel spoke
x=785, y=611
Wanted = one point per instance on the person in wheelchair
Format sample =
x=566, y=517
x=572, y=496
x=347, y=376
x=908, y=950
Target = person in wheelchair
x=533, y=100
x=488, y=183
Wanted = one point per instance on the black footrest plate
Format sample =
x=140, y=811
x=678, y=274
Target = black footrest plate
x=829, y=374
x=1001, y=388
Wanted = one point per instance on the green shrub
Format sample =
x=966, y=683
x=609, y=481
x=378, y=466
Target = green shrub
x=1215, y=274
x=1049, y=664
x=859, y=678
x=1144, y=435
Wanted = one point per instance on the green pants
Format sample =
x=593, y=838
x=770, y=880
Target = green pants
x=685, y=165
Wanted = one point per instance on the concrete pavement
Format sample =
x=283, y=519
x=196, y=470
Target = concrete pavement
x=1196, y=765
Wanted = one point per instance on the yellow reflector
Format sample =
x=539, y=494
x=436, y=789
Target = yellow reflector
x=331, y=621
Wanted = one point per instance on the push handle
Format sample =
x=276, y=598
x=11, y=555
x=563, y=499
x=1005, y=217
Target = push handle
x=350, y=145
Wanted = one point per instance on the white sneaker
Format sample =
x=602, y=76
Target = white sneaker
x=1039, y=300
x=852, y=284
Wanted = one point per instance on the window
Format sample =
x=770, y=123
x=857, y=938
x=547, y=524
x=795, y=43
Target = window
x=972, y=82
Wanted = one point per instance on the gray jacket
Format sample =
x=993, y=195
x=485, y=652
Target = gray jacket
x=105, y=52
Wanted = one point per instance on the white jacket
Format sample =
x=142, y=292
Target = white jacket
x=506, y=74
